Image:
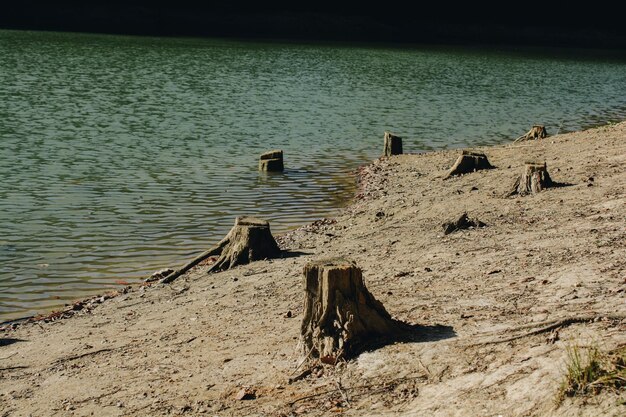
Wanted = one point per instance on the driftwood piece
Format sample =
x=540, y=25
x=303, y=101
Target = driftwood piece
x=249, y=240
x=533, y=179
x=340, y=314
x=535, y=132
x=463, y=222
x=393, y=145
x=469, y=161
x=271, y=161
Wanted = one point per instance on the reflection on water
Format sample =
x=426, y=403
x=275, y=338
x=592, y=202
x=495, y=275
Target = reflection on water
x=123, y=155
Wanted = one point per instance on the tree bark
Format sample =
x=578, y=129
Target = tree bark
x=469, y=161
x=340, y=314
x=393, y=145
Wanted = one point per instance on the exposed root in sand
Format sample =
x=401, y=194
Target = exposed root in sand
x=548, y=326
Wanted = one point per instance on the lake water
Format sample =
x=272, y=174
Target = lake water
x=123, y=155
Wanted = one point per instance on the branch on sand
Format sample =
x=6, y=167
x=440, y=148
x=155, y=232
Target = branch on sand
x=547, y=326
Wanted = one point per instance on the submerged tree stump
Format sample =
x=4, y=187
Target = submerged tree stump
x=340, y=314
x=535, y=132
x=533, y=179
x=393, y=144
x=271, y=161
x=249, y=240
x=469, y=161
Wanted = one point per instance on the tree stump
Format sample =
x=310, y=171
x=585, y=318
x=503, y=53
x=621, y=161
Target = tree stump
x=462, y=223
x=535, y=132
x=340, y=314
x=271, y=161
x=534, y=178
x=469, y=161
x=249, y=240
x=393, y=144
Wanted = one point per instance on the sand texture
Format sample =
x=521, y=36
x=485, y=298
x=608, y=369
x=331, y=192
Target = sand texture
x=494, y=308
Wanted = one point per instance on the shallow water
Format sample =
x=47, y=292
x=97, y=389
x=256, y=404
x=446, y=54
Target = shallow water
x=123, y=155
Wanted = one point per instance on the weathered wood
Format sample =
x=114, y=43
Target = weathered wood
x=340, y=314
x=463, y=222
x=215, y=250
x=469, y=161
x=533, y=179
x=159, y=275
x=535, y=132
x=271, y=161
x=249, y=240
x=393, y=144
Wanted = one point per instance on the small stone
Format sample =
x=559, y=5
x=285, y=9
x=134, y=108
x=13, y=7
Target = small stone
x=288, y=314
x=120, y=404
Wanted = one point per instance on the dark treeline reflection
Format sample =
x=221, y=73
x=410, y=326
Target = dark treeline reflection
x=527, y=23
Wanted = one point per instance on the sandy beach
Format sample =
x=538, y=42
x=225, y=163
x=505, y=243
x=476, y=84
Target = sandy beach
x=499, y=306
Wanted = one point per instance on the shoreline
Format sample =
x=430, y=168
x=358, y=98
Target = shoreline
x=67, y=309
x=554, y=255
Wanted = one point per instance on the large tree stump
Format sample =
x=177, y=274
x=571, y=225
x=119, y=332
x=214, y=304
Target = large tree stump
x=249, y=240
x=393, y=144
x=469, y=161
x=340, y=314
x=271, y=161
x=533, y=179
x=535, y=132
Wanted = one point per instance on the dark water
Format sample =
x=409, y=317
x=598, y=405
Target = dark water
x=122, y=155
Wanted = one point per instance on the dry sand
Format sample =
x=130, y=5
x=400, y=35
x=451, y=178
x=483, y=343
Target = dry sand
x=191, y=347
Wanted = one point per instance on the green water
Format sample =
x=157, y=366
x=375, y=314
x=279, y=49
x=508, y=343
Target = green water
x=123, y=155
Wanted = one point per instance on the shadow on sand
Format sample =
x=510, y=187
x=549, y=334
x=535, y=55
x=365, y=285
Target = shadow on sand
x=408, y=333
x=6, y=341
